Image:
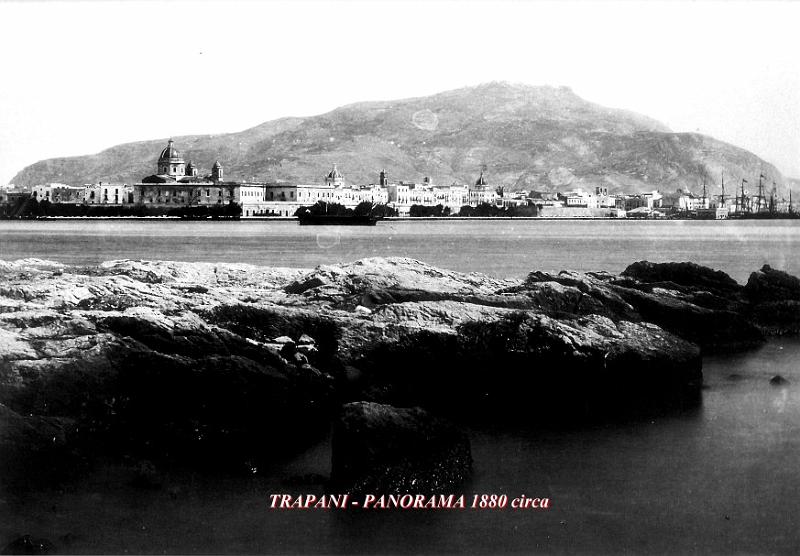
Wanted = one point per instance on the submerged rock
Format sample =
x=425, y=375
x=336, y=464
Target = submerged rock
x=778, y=380
x=382, y=449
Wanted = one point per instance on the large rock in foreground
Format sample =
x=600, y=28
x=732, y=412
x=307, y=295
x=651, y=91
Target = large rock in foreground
x=389, y=450
x=232, y=363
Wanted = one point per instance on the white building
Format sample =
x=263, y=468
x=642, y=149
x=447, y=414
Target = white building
x=481, y=193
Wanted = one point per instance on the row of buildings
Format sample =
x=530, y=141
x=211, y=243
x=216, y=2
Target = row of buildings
x=177, y=183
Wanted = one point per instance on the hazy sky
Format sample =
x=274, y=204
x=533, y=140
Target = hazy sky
x=81, y=77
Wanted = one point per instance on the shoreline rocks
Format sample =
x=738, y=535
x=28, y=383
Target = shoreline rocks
x=228, y=365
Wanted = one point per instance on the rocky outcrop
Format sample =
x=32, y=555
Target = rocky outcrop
x=234, y=364
x=122, y=351
x=696, y=303
x=769, y=284
x=689, y=275
x=389, y=450
x=775, y=299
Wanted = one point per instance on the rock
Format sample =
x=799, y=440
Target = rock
x=685, y=274
x=157, y=360
x=29, y=545
x=196, y=289
x=305, y=340
x=383, y=449
x=769, y=284
x=774, y=296
x=305, y=285
x=777, y=318
x=309, y=350
x=713, y=329
x=778, y=380
x=288, y=351
x=491, y=365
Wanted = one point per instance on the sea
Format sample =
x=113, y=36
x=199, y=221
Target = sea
x=718, y=477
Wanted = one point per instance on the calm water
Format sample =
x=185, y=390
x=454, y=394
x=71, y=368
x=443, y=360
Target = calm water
x=504, y=248
x=722, y=477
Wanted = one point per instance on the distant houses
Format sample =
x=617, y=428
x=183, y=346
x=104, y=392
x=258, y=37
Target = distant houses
x=177, y=184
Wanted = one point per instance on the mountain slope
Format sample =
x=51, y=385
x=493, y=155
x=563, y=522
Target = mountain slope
x=526, y=137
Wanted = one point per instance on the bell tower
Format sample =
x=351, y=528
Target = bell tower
x=216, y=172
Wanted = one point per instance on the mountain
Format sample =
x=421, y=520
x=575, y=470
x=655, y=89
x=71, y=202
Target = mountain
x=536, y=138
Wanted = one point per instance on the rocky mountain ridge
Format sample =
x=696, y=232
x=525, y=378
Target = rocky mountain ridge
x=533, y=138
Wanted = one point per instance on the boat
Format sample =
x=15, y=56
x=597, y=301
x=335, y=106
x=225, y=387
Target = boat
x=333, y=214
x=338, y=220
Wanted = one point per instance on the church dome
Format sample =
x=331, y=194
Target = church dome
x=335, y=174
x=170, y=154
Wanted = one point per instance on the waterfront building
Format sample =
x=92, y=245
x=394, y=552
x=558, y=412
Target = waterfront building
x=177, y=184
x=684, y=201
x=402, y=196
x=452, y=196
x=545, y=199
x=648, y=200
x=481, y=192
x=285, y=199
x=57, y=193
x=580, y=199
x=107, y=194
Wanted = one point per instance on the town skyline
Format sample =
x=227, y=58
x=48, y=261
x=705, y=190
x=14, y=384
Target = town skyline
x=98, y=91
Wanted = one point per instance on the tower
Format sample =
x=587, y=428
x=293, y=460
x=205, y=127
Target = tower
x=383, y=179
x=216, y=172
x=191, y=169
x=170, y=162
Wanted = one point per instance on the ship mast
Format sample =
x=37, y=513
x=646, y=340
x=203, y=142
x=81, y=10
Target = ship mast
x=704, y=192
x=740, y=204
x=772, y=197
x=760, y=196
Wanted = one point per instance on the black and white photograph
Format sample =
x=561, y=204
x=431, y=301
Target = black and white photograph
x=399, y=277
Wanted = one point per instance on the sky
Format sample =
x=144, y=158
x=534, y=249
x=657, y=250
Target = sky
x=79, y=77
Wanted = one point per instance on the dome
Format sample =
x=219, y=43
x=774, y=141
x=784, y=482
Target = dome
x=335, y=174
x=170, y=154
x=217, y=164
